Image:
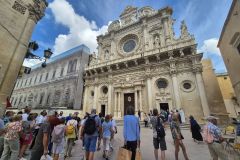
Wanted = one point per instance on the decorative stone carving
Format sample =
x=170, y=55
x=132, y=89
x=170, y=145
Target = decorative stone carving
x=36, y=11
x=115, y=25
x=19, y=7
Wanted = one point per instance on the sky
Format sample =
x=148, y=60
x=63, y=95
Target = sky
x=69, y=23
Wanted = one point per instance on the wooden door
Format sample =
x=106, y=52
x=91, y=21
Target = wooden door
x=129, y=101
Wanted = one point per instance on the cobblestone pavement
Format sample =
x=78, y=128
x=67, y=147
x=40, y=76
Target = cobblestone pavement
x=194, y=150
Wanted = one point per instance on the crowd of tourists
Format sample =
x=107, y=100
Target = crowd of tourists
x=49, y=134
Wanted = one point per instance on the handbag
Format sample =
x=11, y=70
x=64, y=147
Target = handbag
x=138, y=155
x=124, y=154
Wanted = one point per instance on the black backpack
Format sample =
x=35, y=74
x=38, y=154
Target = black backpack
x=90, y=125
x=160, y=129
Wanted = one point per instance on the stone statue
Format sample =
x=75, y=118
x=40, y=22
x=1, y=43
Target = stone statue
x=184, y=30
x=156, y=41
x=106, y=55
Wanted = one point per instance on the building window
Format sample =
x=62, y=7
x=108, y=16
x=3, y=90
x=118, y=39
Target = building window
x=40, y=79
x=46, y=77
x=162, y=83
x=54, y=73
x=25, y=98
x=12, y=99
x=35, y=80
x=56, y=98
x=48, y=98
x=21, y=83
x=30, y=82
x=238, y=48
x=15, y=101
x=62, y=70
x=72, y=65
x=187, y=85
x=20, y=100
x=41, y=98
x=105, y=89
x=25, y=83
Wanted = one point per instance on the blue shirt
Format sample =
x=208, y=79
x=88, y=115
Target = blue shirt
x=106, y=126
x=131, y=130
x=215, y=131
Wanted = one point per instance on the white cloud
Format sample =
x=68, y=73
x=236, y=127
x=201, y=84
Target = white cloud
x=31, y=62
x=81, y=31
x=210, y=46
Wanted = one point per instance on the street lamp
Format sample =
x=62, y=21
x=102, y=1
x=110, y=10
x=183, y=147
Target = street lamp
x=33, y=46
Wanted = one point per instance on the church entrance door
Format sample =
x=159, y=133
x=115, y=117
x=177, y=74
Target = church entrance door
x=103, y=110
x=129, y=101
x=164, y=106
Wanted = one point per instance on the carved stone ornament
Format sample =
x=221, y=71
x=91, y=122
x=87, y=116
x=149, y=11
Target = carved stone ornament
x=184, y=30
x=19, y=7
x=36, y=11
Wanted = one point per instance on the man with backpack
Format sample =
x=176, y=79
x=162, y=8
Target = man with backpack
x=91, y=128
x=71, y=134
x=158, y=135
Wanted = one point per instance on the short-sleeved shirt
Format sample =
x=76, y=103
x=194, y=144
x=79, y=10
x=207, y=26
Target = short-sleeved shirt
x=98, y=124
x=106, y=127
x=175, y=129
x=154, y=121
x=1, y=124
x=45, y=128
x=215, y=131
x=13, y=129
x=74, y=123
x=25, y=117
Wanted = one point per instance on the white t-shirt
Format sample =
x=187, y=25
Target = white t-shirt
x=24, y=117
x=72, y=121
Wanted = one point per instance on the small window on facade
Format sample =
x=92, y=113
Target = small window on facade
x=162, y=83
x=187, y=85
x=25, y=83
x=30, y=82
x=74, y=65
x=46, y=77
x=21, y=83
x=105, y=89
x=62, y=70
x=238, y=48
x=20, y=100
x=15, y=101
x=54, y=73
x=41, y=98
x=40, y=79
x=48, y=98
x=69, y=66
x=12, y=99
x=35, y=80
x=25, y=98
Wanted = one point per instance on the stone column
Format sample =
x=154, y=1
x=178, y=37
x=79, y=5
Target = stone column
x=95, y=97
x=176, y=91
x=119, y=105
x=149, y=89
x=85, y=107
x=136, y=101
x=166, y=30
x=115, y=105
x=109, y=98
x=140, y=100
x=202, y=94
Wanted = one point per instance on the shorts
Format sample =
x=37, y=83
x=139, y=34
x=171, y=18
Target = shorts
x=57, y=148
x=90, y=143
x=106, y=143
x=161, y=142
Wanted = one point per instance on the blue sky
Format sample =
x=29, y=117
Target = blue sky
x=68, y=23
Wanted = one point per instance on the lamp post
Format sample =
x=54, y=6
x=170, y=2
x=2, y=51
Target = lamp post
x=34, y=46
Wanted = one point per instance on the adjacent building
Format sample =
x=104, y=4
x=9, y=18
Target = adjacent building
x=141, y=64
x=229, y=45
x=17, y=19
x=59, y=85
x=228, y=94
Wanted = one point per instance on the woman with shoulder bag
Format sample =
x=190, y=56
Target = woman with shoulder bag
x=177, y=137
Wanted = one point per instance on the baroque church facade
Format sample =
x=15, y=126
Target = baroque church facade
x=58, y=85
x=140, y=63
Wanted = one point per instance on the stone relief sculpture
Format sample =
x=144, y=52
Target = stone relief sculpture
x=156, y=42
